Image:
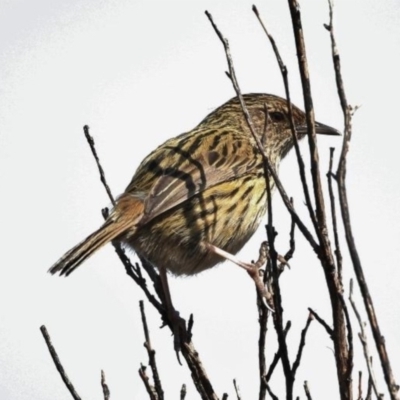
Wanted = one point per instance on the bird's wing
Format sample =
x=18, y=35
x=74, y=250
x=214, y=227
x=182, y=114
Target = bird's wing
x=180, y=169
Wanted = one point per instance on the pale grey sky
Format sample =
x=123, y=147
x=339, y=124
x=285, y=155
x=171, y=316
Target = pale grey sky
x=138, y=72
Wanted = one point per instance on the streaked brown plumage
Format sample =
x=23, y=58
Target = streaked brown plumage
x=204, y=186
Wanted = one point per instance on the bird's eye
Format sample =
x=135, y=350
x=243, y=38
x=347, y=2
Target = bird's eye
x=277, y=116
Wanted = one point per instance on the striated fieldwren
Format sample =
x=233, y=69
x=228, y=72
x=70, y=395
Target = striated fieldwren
x=201, y=195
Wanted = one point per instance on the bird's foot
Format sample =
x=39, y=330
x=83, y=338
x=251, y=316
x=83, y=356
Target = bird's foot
x=254, y=270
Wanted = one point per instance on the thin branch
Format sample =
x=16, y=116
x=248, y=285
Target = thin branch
x=338, y=254
x=101, y=171
x=225, y=396
x=271, y=393
x=364, y=343
x=277, y=356
x=325, y=255
x=369, y=389
x=151, y=391
x=151, y=353
x=104, y=386
x=263, y=323
x=307, y=390
x=359, y=386
x=199, y=374
x=237, y=390
x=322, y=322
x=183, y=392
x=309, y=110
x=292, y=244
x=341, y=179
x=350, y=347
x=58, y=364
x=300, y=161
x=301, y=345
x=190, y=327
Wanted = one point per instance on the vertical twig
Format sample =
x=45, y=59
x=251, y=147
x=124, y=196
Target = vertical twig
x=348, y=112
x=300, y=161
x=263, y=321
x=104, y=386
x=183, y=392
x=359, y=385
x=237, y=390
x=364, y=342
x=152, y=354
x=339, y=260
x=342, y=354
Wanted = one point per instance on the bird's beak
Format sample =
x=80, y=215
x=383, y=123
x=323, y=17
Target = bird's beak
x=320, y=129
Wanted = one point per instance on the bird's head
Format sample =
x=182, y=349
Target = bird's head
x=270, y=116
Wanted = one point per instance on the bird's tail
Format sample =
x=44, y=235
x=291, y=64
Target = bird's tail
x=125, y=216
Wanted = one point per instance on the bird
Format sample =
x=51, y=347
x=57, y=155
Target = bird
x=198, y=198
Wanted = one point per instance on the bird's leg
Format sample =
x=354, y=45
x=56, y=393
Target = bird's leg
x=178, y=323
x=252, y=269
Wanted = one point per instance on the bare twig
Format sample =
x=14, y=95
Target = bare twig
x=322, y=322
x=225, y=396
x=237, y=390
x=338, y=253
x=146, y=381
x=307, y=390
x=277, y=356
x=263, y=321
x=292, y=243
x=58, y=364
x=104, y=386
x=271, y=393
x=301, y=345
x=151, y=353
x=183, y=392
x=359, y=386
x=369, y=389
x=341, y=180
x=364, y=343
x=101, y=171
x=300, y=161
x=342, y=354
x=190, y=326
